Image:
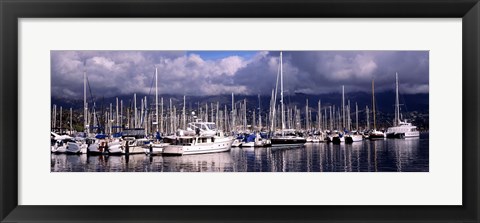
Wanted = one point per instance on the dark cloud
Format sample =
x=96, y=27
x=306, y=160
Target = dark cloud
x=113, y=73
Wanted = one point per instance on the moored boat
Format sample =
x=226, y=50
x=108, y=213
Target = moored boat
x=353, y=136
x=204, y=139
x=374, y=133
x=400, y=129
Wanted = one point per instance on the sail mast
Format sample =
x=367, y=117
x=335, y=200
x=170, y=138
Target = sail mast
x=135, y=110
x=281, y=93
x=319, y=118
x=259, y=113
x=116, y=114
x=373, y=104
x=343, y=107
x=397, y=105
x=306, y=116
x=356, y=116
x=156, y=98
x=184, y=114
x=233, y=113
x=85, y=104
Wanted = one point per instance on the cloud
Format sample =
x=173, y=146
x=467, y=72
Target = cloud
x=114, y=73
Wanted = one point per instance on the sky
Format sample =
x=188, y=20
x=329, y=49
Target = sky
x=206, y=73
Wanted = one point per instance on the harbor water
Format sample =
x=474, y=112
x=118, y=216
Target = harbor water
x=385, y=155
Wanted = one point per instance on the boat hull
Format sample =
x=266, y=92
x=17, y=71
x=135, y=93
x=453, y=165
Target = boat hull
x=247, y=144
x=338, y=139
x=353, y=138
x=155, y=148
x=220, y=145
x=403, y=135
x=287, y=141
x=376, y=136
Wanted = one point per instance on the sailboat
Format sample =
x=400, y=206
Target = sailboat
x=354, y=136
x=375, y=134
x=287, y=137
x=401, y=129
x=338, y=138
x=156, y=147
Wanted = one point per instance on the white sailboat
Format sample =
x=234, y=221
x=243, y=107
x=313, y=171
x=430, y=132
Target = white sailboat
x=374, y=133
x=156, y=146
x=287, y=137
x=340, y=137
x=354, y=136
x=401, y=129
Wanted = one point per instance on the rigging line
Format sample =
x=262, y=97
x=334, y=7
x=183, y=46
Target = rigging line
x=151, y=86
x=92, y=101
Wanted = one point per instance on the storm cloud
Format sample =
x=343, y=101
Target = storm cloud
x=115, y=73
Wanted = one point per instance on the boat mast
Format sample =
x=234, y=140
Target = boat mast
x=331, y=118
x=233, y=113
x=281, y=93
x=373, y=104
x=325, y=121
x=71, y=129
x=60, y=120
x=259, y=113
x=85, y=104
x=356, y=116
x=116, y=115
x=156, y=99
x=319, y=118
x=343, y=107
x=135, y=109
x=306, y=116
x=349, y=119
x=121, y=115
x=397, y=105
x=245, y=114
x=161, y=115
x=110, y=119
x=272, y=113
x=184, y=115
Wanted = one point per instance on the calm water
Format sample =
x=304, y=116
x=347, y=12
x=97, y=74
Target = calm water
x=389, y=155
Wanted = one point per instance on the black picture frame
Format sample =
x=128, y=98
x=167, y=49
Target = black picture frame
x=11, y=11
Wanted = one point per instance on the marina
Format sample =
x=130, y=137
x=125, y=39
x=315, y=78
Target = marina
x=235, y=133
x=387, y=155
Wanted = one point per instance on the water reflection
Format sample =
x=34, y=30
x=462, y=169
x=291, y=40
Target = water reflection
x=389, y=155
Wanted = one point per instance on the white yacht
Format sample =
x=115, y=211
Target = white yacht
x=200, y=137
x=64, y=144
x=401, y=129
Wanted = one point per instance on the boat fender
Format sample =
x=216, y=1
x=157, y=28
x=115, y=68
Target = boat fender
x=151, y=148
x=127, y=149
